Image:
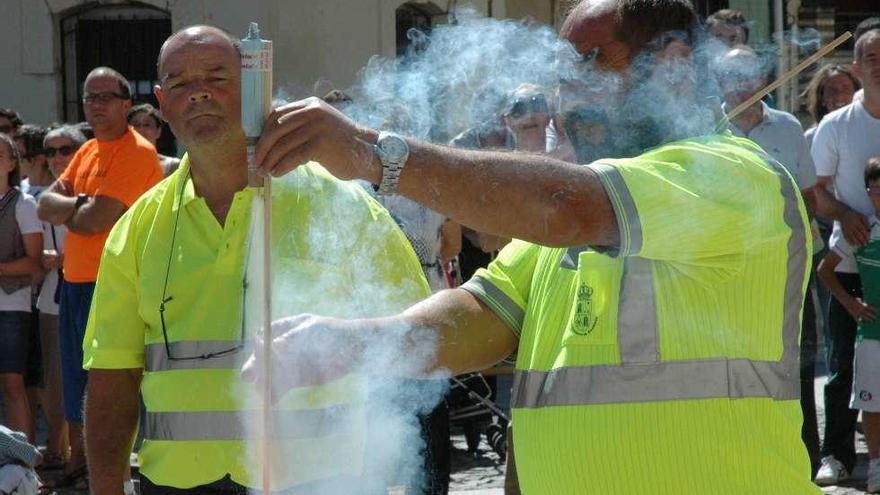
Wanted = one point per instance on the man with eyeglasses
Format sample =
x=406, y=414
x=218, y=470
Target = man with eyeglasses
x=653, y=302
x=106, y=175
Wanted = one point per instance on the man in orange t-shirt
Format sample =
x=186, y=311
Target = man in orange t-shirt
x=104, y=178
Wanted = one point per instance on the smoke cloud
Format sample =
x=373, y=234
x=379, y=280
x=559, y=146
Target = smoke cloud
x=330, y=262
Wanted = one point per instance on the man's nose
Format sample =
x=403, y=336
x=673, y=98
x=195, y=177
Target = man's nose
x=199, y=95
x=199, y=92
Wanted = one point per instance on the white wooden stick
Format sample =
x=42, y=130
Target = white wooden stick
x=267, y=335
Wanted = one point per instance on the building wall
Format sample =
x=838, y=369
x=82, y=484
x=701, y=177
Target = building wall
x=30, y=80
x=327, y=40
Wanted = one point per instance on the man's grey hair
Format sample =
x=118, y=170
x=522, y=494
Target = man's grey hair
x=66, y=131
x=862, y=41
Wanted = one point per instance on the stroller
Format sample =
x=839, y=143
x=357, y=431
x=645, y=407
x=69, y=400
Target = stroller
x=473, y=408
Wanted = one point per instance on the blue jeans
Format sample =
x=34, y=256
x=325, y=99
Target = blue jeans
x=76, y=299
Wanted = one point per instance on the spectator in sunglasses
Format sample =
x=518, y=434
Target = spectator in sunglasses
x=59, y=147
x=527, y=117
x=148, y=123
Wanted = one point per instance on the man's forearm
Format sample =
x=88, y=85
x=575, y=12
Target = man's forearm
x=97, y=215
x=21, y=266
x=469, y=335
x=828, y=206
x=55, y=208
x=513, y=195
x=112, y=408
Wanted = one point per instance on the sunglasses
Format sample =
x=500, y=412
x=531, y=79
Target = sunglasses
x=873, y=191
x=525, y=106
x=6, y=129
x=61, y=150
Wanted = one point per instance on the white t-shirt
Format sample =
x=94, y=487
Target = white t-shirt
x=782, y=137
x=28, y=223
x=843, y=249
x=46, y=301
x=844, y=141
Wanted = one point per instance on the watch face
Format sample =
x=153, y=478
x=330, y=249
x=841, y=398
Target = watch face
x=394, y=148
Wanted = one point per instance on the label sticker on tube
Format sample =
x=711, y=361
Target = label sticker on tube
x=256, y=86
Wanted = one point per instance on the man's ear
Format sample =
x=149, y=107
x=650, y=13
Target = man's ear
x=160, y=95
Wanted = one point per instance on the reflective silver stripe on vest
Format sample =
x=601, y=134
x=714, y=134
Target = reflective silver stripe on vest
x=156, y=356
x=637, y=337
x=506, y=308
x=624, y=208
x=640, y=378
x=233, y=425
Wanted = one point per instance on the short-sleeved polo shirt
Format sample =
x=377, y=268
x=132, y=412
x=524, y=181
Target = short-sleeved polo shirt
x=707, y=239
x=122, y=169
x=782, y=136
x=335, y=252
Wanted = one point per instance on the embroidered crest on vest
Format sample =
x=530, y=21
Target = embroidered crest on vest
x=584, y=319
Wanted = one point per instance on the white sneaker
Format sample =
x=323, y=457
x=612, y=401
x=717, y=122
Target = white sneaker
x=831, y=472
x=874, y=476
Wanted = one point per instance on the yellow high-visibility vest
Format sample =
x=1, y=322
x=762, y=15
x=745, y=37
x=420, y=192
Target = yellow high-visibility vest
x=668, y=365
x=336, y=252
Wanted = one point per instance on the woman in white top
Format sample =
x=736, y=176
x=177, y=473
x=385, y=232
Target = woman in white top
x=21, y=240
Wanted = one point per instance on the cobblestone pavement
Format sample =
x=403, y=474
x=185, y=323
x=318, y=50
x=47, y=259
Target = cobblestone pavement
x=484, y=476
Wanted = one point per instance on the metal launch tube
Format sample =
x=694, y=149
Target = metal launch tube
x=256, y=87
x=256, y=103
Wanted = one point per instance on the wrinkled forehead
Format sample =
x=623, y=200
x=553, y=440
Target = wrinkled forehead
x=100, y=82
x=200, y=44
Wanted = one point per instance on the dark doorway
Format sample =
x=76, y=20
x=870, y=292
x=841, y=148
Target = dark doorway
x=411, y=17
x=126, y=38
x=705, y=8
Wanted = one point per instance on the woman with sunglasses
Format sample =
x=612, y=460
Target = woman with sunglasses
x=20, y=240
x=59, y=146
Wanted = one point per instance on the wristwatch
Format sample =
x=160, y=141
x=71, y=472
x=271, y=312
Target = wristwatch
x=81, y=199
x=393, y=151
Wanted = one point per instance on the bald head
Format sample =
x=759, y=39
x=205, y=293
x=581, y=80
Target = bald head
x=740, y=62
x=616, y=30
x=198, y=35
x=107, y=72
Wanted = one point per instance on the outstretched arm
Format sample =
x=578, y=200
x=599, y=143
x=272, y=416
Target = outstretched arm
x=451, y=331
x=514, y=195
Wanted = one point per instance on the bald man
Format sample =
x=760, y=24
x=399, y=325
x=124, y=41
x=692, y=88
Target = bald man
x=168, y=317
x=652, y=303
